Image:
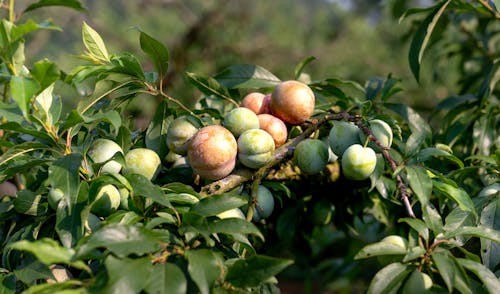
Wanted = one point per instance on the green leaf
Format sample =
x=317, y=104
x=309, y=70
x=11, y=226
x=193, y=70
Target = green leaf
x=417, y=225
x=127, y=276
x=102, y=89
x=479, y=232
x=216, y=204
x=45, y=72
x=428, y=153
x=166, y=278
x=49, y=251
x=390, y=278
x=33, y=271
x=157, y=129
x=420, y=182
x=432, y=218
x=142, y=186
x=74, y=4
x=422, y=36
x=64, y=175
x=8, y=283
x=94, y=43
x=490, y=218
x=239, y=76
x=29, y=203
x=254, y=270
x=490, y=281
x=209, y=86
x=122, y=240
x=484, y=134
x=67, y=287
x=128, y=64
x=23, y=90
x=31, y=26
x=234, y=226
x=48, y=106
x=205, y=267
x=451, y=272
x=70, y=216
x=458, y=195
x=156, y=51
x=300, y=66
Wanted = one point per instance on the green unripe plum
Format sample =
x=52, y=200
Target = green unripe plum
x=103, y=150
x=311, y=156
x=142, y=161
x=358, y=162
x=212, y=152
x=264, y=204
x=342, y=135
x=106, y=201
x=232, y=213
x=54, y=196
x=381, y=130
x=292, y=101
x=418, y=282
x=179, y=132
x=255, y=148
x=240, y=119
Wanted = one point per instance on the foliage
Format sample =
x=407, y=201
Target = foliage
x=435, y=191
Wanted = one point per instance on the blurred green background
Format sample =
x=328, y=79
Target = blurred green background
x=350, y=39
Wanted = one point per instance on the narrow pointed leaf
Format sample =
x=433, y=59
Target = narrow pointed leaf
x=422, y=36
x=74, y=4
x=458, y=195
x=246, y=76
x=420, y=183
x=390, y=278
x=490, y=281
x=166, y=278
x=205, y=267
x=156, y=51
x=94, y=43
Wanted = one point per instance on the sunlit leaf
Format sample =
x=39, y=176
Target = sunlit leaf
x=458, y=195
x=94, y=43
x=490, y=281
x=420, y=182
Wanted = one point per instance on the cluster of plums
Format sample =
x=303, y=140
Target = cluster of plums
x=248, y=135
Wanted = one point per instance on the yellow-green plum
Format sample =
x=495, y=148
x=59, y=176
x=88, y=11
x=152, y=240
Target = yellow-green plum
x=311, y=156
x=106, y=201
x=212, y=152
x=142, y=161
x=179, y=132
x=240, y=119
x=275, y=127
x=292, y=101
x=264, y=204
x=381, y=130
x=255, y=148
x=358, y=162
x=342, y=135
x=103, y=150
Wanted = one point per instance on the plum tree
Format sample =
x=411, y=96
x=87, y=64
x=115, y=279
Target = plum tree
x=292, y=101
x=358, y=162
x=240, y=119
x=311, y=156
x=142, y=161
x=212, y=152
x=255, y=148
